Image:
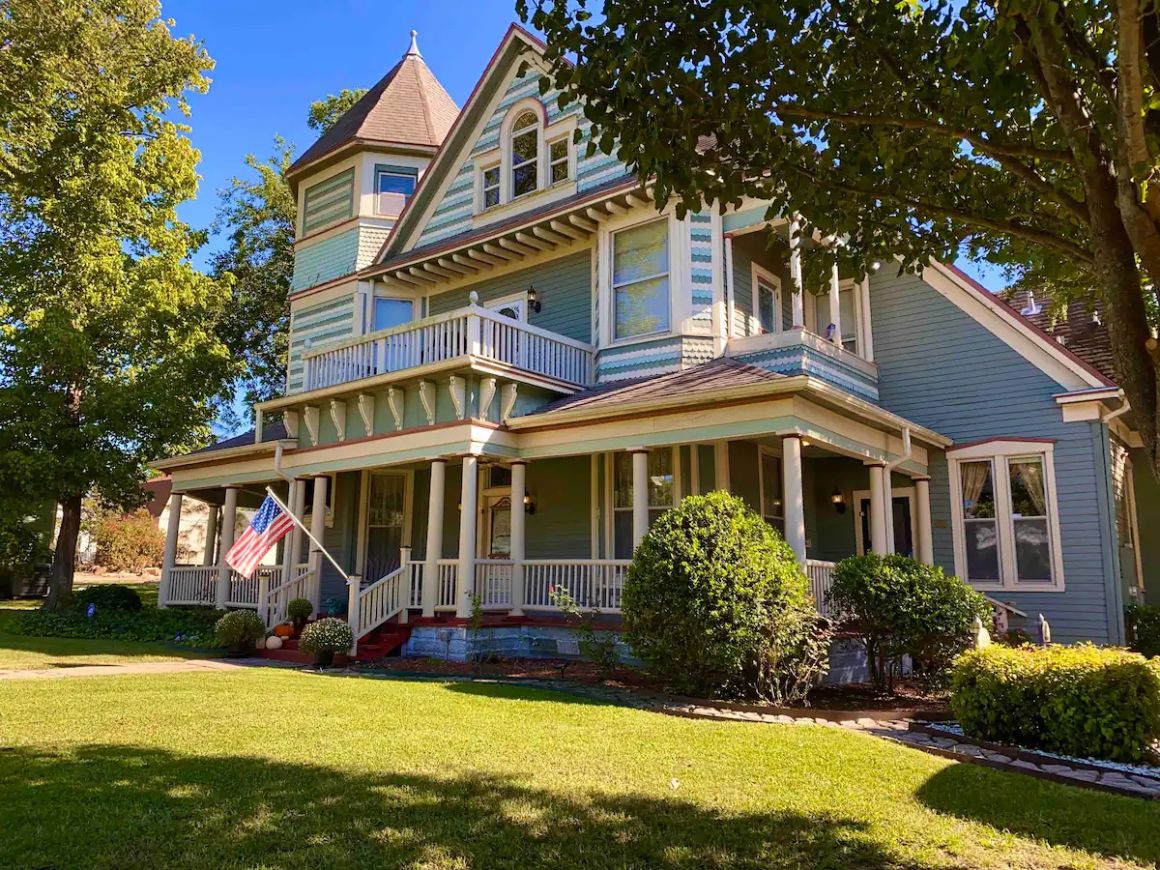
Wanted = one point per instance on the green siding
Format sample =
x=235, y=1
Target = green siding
x=322, y=261
x=328, y=202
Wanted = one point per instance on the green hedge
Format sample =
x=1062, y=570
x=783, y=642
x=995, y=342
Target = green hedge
x=1144, y=629
x=187, y=627
x=1078, y=700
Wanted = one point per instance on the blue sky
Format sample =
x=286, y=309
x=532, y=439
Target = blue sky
x=274, y=59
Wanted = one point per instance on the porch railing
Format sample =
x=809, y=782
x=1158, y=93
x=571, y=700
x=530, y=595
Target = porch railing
x=472, y=331
x=493, y=583
x=821, y=576
x=381, y=600
x=192, y=585
x=592, y=583
x=303, y=584
x=244, y=590
x=447, y=578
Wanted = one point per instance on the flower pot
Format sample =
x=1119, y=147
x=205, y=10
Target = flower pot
x=240, y=650
x=324, y=658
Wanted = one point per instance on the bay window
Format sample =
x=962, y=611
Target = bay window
x=1006, y=517
x=640, y=280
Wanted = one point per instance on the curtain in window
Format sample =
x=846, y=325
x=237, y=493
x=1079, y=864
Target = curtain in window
x=1028, y=478
x=975, y=476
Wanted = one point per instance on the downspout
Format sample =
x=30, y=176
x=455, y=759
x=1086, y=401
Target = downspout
x=888, y=489
x=1117, y=631
x=278, y=462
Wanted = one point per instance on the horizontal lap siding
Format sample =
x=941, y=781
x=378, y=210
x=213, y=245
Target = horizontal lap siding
x=318, y=262
x=563, y=286
x=1148, y=521
x=941, y=369
x=317, y=324
x=341, y=538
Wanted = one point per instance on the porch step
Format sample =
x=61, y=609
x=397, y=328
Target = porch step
x=383, y=641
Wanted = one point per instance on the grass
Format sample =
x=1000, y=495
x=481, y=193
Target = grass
x=262, y=768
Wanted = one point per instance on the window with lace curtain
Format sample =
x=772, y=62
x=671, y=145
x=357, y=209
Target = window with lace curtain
x=1006, y=518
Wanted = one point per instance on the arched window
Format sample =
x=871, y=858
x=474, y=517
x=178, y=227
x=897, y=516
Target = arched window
x=525, y=153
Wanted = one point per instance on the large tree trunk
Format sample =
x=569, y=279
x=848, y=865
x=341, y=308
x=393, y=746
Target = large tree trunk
x=65, y=557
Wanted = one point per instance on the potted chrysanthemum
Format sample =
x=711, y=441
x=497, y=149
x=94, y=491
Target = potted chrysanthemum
x=239, y=630
x=324, y=638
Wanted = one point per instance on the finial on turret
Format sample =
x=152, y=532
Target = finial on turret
x=414, y=49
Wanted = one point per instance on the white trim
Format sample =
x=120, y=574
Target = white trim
x=608, y=231
x=518, y=300
x=757, y=275
x=907, y=492
x=767, y=450
x=1133, y=518
x=1000, y=453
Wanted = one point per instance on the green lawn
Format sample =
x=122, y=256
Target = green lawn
x=264, y=768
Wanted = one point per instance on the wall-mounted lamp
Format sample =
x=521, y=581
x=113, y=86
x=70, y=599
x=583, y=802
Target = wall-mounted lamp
x=838, y=499
x=529, y=505
x=534, y=302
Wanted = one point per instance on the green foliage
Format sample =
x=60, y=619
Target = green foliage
x=1143, y=622
x=129, y=542
x=598, y=647
x=325, y=113
x=239, y=629
x=1079, y=700
x=900, y=607
x=111, y=597
x=299, y=609
x=713, y=597
x=107, y=338
x=327, y=635
x=172, y=625
x=1022, y=132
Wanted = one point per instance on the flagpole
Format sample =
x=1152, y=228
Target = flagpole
x=306, y=531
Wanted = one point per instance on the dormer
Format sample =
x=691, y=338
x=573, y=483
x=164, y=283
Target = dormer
x=353, y=183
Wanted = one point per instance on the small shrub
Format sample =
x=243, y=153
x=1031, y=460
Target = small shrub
x=239, y=629
x=112, y=597
x=1143, y=621
x=131, y=542
x=899, y=607
x=713, y=591
x=1077, y=700
x=327, y=635
x=185, y=626
x=597, y=647
x=298, y=610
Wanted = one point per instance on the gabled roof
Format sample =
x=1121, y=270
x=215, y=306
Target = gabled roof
x=1080, y=329
x=408, y=107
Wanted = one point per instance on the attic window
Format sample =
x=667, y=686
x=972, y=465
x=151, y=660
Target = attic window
x=525, y=154
x=393, y=187
x=558, y=161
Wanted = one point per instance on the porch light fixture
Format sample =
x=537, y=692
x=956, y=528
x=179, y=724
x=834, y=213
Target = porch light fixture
x=838, y=498
x=529, y=505
x=534, y=302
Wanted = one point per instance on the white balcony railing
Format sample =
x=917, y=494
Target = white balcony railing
x=469, y=332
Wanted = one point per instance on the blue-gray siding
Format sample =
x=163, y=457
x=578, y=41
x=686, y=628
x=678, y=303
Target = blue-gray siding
x=942, y=369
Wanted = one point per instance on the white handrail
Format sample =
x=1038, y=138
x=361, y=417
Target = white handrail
x=821, y=576
x=493, y=583
x=192, y=585
x=302, y=585
x=447, y=574
x=381, y=601
x=593, y=583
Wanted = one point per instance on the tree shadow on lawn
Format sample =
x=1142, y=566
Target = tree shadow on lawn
x=1059, y=814
x=515, y=691
x=110, y=806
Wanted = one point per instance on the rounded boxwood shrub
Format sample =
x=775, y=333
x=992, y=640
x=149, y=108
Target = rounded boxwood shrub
x=899, y=607
x=1077, y=700
x=298, y=610
x=714, y=599
x=326, y=635
x=239, y=629
x=112, y=597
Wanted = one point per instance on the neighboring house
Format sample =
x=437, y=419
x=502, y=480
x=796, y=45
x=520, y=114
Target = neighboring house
x=504, y=364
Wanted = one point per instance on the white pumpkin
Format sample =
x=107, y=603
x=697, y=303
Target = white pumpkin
x=273, y=642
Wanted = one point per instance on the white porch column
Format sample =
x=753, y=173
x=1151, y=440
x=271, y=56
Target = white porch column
x=171, y=533
x=226, y=536
x=211, y=530
x=925, y=544
x=795, y=509
x=297, y=503
x=518, y=539
x=795, y=270
x=721, y=465
x=434, y=535
x=318, y=530
x=866, y=344
x=639, y=497
x=877, y=518
x=888, y=508
x=836, y=304
x=468, y=514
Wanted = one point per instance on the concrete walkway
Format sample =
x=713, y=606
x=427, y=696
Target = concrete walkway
x=178, y=667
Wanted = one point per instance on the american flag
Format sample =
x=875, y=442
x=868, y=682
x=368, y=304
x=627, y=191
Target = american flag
x=269, y=525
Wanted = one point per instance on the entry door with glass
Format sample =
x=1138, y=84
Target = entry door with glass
x=386, y=522
x=903, y=528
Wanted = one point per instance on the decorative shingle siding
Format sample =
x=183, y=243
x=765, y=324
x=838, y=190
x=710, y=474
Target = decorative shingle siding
x=701, y=252
x=564, y=288
x=454, y=213
x=370, y=240
x=801, y=359
x=321, y=261
x=317, y=324
x=328, y=202
x=942, y=369
x=639, y=360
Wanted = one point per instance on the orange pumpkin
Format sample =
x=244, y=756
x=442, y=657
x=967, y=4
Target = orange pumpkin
x=284, y=629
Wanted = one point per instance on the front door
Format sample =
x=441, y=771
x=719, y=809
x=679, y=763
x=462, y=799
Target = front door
x=386, y=522
x=903, y=528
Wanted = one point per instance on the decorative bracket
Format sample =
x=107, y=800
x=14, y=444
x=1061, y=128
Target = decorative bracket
x=395, y=398
x=486, y=397
x=338, y=417
x=290, y=421
x=457, y=386
x=366, y=410
x=427, y=398
x=310, y=415
x=507, y=401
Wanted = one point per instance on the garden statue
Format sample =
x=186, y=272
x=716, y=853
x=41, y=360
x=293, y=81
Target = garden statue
x=1044, y=631
x=982, y=636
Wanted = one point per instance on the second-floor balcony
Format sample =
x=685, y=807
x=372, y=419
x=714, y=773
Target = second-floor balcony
x=471, y=333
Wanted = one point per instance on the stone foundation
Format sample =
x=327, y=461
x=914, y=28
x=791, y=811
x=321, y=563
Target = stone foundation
x=458, y=643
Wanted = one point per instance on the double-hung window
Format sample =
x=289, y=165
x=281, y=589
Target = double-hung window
x=1006, y=516
x=662, y=492
x=848, y=310
x=772, y=504
x=490, y=180
x=640, y=280
x=558, y=161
